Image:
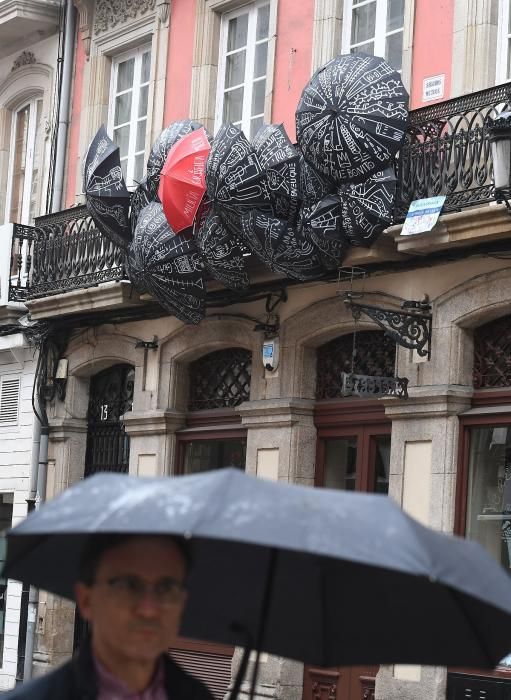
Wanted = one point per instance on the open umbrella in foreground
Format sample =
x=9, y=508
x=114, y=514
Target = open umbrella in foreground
x=106, y=195
x=352, y=116
x=182, y=179
x=290, y=570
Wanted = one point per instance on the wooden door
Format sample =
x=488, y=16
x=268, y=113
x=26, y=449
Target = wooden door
x=351, y=458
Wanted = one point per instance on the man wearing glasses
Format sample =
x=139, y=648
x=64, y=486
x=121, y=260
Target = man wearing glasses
x=131, y=591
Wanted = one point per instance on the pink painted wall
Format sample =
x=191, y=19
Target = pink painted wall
x=74, y=130
x=432, y=46
x=293, y=59
x=180, y=61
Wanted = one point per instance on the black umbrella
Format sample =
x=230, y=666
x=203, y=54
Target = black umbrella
x=281, y=160
x=221, y=252
x=279, y=246
x=325, y=577
x=145, y=193
x=313, y=186
x=367, y=208
x=235, y=177
x=322, y=224
x=167, y=265
x=106, y=195
x=352, y=116
x=164, y=143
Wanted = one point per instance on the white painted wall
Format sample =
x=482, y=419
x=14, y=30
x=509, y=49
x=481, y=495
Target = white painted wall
x=15, y=459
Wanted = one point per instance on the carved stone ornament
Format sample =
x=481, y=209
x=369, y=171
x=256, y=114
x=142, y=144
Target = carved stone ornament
x=163, y=11
x=26, y=58
x=109, y=13
x=85, y=11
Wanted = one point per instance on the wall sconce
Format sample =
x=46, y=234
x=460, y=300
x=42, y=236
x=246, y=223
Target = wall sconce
x=500, y=140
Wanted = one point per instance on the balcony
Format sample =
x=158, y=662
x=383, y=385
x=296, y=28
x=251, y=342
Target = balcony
x=446, y=152
x=24, y=22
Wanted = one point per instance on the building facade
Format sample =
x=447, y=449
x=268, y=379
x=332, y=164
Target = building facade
x=146, y=394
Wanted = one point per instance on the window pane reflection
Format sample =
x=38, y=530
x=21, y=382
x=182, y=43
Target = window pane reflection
x=340, y=463
x=489, y=491
x=205, y=455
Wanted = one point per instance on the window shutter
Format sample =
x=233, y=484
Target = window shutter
x=214, y=670
x=9, y=400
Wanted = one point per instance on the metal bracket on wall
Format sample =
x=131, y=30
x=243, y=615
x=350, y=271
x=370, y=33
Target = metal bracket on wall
x=409, y=328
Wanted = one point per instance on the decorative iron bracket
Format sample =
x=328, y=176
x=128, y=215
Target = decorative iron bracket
x=366, y=386
x=410, y=329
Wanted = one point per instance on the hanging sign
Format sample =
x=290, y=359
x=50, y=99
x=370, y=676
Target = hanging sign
x=422, y=215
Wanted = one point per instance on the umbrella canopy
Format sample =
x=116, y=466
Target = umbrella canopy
x=144, y=194
x=106, y=195
x=313, y=186
x=367, y=208
x=235, y=178
x=167, y=266
x=352, y=116
x=221, y=253
x=318, y=567
x=164, y=143
x=182, y=179
x=281, y=160
x=279, y=246
x=322, y=224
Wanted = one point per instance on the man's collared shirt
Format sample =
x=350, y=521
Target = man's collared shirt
x=111, y=688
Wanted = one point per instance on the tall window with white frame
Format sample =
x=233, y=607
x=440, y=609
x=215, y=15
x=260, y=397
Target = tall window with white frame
x=24, y=163
x=374, y=27
x=128, y=112
x=242, y=67
x=504, y=43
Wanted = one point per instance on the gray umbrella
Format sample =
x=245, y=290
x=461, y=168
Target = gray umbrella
x=326, y=577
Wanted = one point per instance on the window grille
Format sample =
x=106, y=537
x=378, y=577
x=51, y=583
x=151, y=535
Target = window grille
x=492, y=354
x=111, y=396
x=220, y=379
x=375, y=355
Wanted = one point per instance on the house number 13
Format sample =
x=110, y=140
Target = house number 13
x=104, y=411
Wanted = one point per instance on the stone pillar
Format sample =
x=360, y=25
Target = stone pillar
x=423, y=481
x=281, y=445
x=153, y=441
x=55, y=616
x=326, y=33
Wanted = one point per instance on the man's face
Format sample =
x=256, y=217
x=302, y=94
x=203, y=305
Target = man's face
x=132, y=606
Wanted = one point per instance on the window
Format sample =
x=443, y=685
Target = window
x=375, y=27
x=128, y=110
x=24, y=166
x=504, y=43
x=242, y=67
x=9, y=400
x=220, y=379
x=6, y=503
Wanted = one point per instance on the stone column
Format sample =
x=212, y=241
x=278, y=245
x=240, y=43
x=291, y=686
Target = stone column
x=281, y=445
x=55, y=616
x=423, y=481
x=153, y=441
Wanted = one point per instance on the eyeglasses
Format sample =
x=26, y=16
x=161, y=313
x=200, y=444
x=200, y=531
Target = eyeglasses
x=130, y=590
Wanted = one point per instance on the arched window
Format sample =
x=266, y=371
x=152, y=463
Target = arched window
x=369, y=352
x=492, y=355
x=214, y=437
x=220, y=379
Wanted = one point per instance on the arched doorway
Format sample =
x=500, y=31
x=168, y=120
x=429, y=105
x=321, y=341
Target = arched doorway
x=108, y=446
x=353, y=453
x=110, y=397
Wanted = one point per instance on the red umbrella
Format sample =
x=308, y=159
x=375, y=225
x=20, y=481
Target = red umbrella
x=182, y=179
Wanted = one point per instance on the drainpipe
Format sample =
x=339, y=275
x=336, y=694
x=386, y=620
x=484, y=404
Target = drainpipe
x=64, y=106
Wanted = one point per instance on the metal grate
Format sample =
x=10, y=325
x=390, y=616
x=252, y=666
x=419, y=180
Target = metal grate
x=375, y=355
x=9, y=400
x=111, y=396
x=220, y=379
x=214, y=670
x=492, y=354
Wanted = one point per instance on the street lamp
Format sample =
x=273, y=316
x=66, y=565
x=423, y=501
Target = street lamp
x=500, y=140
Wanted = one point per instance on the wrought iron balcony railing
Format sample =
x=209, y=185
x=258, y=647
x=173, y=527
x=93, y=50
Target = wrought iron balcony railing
x=64, y=251
x=446, y=152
